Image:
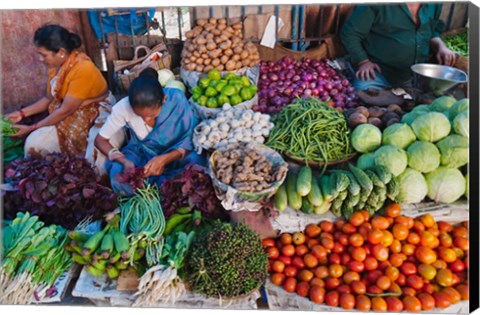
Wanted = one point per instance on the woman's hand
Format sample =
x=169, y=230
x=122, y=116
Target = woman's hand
x=446, y=57
x=22, y=130
x=127, y=164
x=155, y=166
x=366, y=71
x=14, y=117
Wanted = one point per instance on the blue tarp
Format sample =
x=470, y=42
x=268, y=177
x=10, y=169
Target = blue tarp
x=125, y=22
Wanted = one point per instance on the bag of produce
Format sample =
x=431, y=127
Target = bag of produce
x=244, y=175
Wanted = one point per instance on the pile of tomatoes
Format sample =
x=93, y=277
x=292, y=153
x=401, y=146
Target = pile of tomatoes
x=382, y=263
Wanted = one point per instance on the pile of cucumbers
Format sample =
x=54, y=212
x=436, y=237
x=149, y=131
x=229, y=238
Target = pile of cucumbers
x=341, y=191
x=105, y=252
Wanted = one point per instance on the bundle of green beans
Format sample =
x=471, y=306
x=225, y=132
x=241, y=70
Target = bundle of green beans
x=311, y=130
x=143, y=220
x=33, y=258
x=458, y=43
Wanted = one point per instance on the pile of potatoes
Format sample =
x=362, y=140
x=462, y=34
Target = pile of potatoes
x=246, y=170
x=214, y=44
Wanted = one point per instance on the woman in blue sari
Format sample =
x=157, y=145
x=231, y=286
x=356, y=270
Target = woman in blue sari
x=160, y=124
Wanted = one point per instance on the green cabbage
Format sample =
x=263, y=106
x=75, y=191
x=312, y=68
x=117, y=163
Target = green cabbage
x=423, y=156
x=461, y=124
x=443, y=103
x=459, y=106
x=453, y=151
x=413, y=187
x=175, y=84
x=400, y=135
x=445, y=185
x=423, y=108
x=431, y=127
x=165, y=75
x=366, y=138
x=392, y=157
x=408, y=118
x=366, y=161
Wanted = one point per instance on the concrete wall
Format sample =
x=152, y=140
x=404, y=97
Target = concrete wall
x=24, y=77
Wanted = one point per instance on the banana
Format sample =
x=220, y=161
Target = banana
x=112, y=272
x=184, y=210
x=93, y=242
x=94, y=271
x=175, y=220
x=79, y=259
x=139, y=253
x=107, y=246
x=100, y=265
x=114, y=258
x=121, y=265
x=121, y=242
x=78, y=236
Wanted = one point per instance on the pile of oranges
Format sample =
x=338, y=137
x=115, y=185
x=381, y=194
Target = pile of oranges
x=382, y=263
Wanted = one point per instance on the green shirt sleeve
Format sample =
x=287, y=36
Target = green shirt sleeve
x=355, y=30
x=439, y=24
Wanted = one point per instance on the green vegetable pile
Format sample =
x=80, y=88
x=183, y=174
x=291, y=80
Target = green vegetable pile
x=33, y=257
x=12, y=147
x=458, y=43
x=311, y=130
x=214, y=91
x=427, y=152
x=226, y=260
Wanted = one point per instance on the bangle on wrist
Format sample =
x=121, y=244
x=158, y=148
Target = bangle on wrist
x=33, y=127
x=114, y=154
x=363, y=61
x=22, y=114
x=183, y=152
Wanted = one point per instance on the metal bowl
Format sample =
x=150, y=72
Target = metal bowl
x=436, y=78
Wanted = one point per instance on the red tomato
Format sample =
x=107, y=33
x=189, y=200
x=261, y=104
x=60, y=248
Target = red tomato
x=298, y=238
x=318, y=282
x=326, y=226
x=343, y=288
x=373, y=289
x=319, y=251
x=305, y=275
x=272, y=252
x=363, y=303
x=383, y=282
x=347, y=301
x=441, y=300
x=285, y=259
x=317, y=294
x=345, y=259
x=379, y=304
x=415, y=282
x=412, y=304
x=334, y=258
x=335, y=270
x=370, y=263
x=356, y=266
x=464, y=291
x=350, y=276
x=286, y=238
x=288, y=250
x=303, y=289
x=332, y=298
x=278, y=279
x=359, y=254
x=380, y=252
x=373, y=275
x=290, y=284
x=290, y=271
x=332, y=283
x=394, y=304
x=298, y=262
x=321, y=272
x=427, y=301
x=408, y=268
x=278, y=266
x=310, y=261
x=358, y=287
x=268, y=242
x=457, y=266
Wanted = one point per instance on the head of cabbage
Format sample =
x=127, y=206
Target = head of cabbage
x=458, y=107
x=461, y=124
x=366, y=138
x=409, y=118
x=443, y=103
x=175, y=84
x=445, y=185
x=423, y=108
x=400, y=135
x=453, y=151
x=165, y=75
x=431, y=127
x=392, y=157
x=423, y=156
x=413, y=187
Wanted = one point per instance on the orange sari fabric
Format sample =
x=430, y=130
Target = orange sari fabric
x=77, y=77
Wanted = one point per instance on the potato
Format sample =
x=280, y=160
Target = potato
x=209, y=37
x=244, y=55
x=189, y=34
x=200, y=40
x=215, y=62
x=236, y=57
x=224, y=59
x=356, y=119
x=202, y=49
x=207, y=61
x=228, y=52
x=191, y=67
x=211, y=45
x=245, y=63
x=224, y=37
x=220, y=68
x=215, y=53
x=213, y=21
x=186, y=61
x=193, y=58
x=362, y=110
x=199, y=68
x=253, y=63
x=218, y=40
x=238, y=64
x=237, y=50
x=230, y=65
x=207, y=68
x=222, y=21
x=226, y=44
x=237, y=26
x=202, y=22
x=199, y=61
x=209, y=27
x=196, y=54
x=221, y=27
x=204, y=56
x=216, y=32
x=229, y=29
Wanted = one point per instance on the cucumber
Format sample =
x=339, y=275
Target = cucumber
x=294, y=199
x=342, y=182
x=343, y=195
x=307, y=206
x=363, y=180
x=333, y=185
x=354, y=187
x=360, y=205
x=383, y=173
x=325, y=188
x=315, y=195
x=281, y=199
x=375, y=179
x=346, y=211
x=304, y=181
x=352, y=200
x=323, y=208
x=336, y=208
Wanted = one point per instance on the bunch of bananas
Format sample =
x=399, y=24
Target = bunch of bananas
x=106, y=251
x=183, y=220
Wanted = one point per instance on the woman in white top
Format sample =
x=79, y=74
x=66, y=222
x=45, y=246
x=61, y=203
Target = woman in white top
x=160, y=124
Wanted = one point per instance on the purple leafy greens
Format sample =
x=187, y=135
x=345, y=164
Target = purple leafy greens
x=60, y=189
x=192, y=188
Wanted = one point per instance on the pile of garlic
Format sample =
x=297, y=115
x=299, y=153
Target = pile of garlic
x=232, y=125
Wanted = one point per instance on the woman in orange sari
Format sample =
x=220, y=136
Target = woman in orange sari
x=77, y=99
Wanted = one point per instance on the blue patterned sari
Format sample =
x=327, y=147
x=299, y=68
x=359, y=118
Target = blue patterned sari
x=173, y=130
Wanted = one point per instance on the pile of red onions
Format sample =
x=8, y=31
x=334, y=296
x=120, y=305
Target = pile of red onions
x=283, y=81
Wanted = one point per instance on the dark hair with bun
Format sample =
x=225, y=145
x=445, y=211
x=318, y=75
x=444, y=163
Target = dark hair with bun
x=145, y=92
x=53, y=37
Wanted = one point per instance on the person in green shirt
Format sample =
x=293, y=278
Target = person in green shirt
x=384, y=41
